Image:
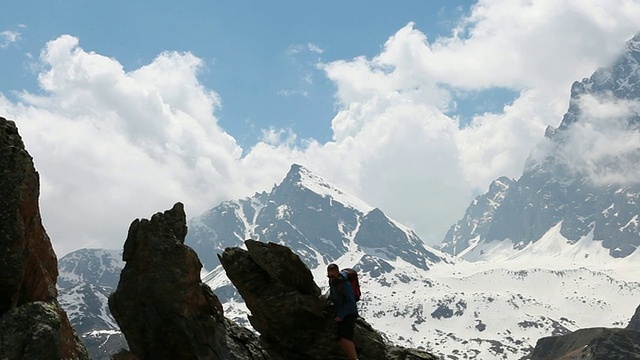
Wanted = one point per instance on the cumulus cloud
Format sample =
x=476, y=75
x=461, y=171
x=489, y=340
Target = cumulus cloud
x=8, y=37
x=530, y=47
x=604, y=143
x=512, y=43
x=112, y=145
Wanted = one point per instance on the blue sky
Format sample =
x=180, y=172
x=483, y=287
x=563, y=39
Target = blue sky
x=128, y=107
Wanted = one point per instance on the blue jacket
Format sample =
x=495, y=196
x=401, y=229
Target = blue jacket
x=344, y=300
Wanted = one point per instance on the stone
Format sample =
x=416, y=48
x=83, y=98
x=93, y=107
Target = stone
x=634, y=323
x=28, y=265
x=31, y=320
x=294, y=319
x=162, y=306
x=592, y=344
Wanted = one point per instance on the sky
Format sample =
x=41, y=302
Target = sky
x=128, y=108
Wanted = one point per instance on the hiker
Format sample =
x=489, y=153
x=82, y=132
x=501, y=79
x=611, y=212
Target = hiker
x=344, y=299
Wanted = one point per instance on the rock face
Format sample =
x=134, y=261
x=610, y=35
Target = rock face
x=310, y=215
x=294, y=319
x=634, y=323
x=592, y=344
x=162, y=307
x=569, y=178
x=32, y=324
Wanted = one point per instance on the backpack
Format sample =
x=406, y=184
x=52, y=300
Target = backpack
x=352, y=276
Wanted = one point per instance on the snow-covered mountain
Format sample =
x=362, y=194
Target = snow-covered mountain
x=311, y=216
x=489, y=311
x=451, y=307
x=551, y=252
x=86, y=278
x=580, y=182
x=317, y=220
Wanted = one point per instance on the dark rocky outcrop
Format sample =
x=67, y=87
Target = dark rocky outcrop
x=287, y=308
x=162, y=307
x=634, y=323
x=591, y=344
x=32, y=324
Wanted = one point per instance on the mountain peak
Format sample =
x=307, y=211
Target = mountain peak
x=320, y=221
x=561, y=185
x=634, y=43
x=300, y=177
x=295, y=173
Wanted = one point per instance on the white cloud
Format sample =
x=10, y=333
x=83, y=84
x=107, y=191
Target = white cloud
x=278, y=137
x=113, y=145
x=8, y=37
x=315, y=48
x=601, y=144
x=289, y=93
x=541, y=43
x=527, y=46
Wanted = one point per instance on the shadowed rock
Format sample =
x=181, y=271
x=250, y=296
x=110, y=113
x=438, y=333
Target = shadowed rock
x=634, y=323
x=294, y=320
x=162, y=307
x=32, y=324
x=592, y=344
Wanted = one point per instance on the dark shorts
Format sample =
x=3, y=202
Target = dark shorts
x=346, y=327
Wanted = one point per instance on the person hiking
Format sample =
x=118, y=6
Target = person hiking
x=344, y=299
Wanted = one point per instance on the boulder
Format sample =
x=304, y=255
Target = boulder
x=592, y=344
x=294, y=319
x=634, y=323
x=31, y=320
x=162, y=306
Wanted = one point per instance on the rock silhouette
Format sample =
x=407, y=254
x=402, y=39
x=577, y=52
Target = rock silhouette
x=162, y=307
x=166, y=312
x=593, y=343
x=294, y=319
x=32, y=323
x=634, y=323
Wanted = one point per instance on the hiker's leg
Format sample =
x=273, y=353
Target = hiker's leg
x=349, y=349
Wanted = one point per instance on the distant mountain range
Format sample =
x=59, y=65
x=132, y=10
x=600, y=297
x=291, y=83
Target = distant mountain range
x=445, y=305
x=86, y=278
x=550, y=252
x=581, y=178
x=311, y=216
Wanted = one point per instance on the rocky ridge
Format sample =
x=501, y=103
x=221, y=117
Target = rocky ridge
x=592, y=344
x=314, y=217
x=162, y=307
x=165, y=311
x=32, y=323
x=571, y=179
x=294, y=319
